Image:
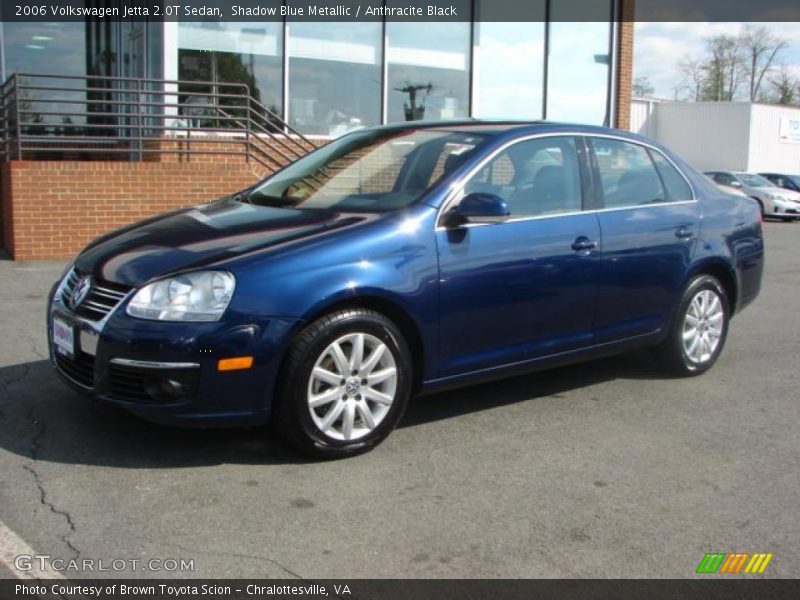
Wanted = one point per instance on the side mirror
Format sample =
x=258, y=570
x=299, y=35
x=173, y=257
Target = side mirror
x=735, y=184
x=478, y=208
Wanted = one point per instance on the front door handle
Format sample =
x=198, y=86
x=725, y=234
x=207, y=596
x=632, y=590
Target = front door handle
x=683, y=233
x=583, y=243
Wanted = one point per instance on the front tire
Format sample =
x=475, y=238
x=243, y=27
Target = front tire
x=346, y=385
x=699, y=329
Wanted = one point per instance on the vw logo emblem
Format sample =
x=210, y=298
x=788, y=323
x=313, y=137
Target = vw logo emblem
x=80, y=292
x=353, y=386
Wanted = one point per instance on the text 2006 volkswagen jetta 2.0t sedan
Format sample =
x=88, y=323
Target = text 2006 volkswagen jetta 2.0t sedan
x=401, y=260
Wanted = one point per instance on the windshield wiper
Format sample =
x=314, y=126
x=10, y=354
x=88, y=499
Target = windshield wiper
x=243, y=196
x=274, y=201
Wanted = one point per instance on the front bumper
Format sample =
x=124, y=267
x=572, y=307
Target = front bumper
x=167, y=372
x=784, y=209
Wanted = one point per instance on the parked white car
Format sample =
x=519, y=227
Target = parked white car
x=774, y=201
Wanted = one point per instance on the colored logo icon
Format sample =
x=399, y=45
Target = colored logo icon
x=734, y=563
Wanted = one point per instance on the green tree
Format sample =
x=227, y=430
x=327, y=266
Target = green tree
x=785, y=88
x=722, y=69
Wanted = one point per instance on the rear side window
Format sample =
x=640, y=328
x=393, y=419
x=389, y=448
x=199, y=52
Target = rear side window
x=674, y=183
x=628, y=176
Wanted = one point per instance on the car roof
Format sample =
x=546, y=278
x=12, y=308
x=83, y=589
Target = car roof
x=496, y=127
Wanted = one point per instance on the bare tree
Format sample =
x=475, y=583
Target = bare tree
x=642, y=87
x=760, y=48
x=693, y=78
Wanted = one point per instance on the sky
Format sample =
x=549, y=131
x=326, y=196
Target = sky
x=659, y=47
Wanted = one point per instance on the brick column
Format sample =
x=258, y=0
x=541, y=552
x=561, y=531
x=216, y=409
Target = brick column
x=622, y=111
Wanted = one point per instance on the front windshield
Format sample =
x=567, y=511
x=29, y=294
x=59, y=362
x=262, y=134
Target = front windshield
x=369, y=171
x=754, y=180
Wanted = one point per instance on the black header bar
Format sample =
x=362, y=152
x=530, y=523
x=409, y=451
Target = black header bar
x=215, y=11
x=711, y=588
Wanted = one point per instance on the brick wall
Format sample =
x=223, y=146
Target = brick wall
x=625, y=64
x=52, y=209
x=5, y=207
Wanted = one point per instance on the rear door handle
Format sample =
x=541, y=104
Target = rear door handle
x=583, y=243
x=683, y=233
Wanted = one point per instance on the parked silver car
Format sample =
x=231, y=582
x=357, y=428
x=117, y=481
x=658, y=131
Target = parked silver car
x=774, y=201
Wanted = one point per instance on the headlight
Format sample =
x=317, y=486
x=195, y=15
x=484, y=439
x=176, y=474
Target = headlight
x=201, y=296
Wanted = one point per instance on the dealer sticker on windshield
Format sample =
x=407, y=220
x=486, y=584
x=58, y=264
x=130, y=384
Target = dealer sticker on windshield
x=63, y=337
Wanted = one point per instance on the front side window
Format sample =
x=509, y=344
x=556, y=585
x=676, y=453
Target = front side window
x=368, y=171
x=535, y=177
x=754, y=180
x=628, y=176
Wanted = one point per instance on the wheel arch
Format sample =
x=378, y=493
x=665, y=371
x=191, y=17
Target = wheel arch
x=388, y=308
x=725, y=274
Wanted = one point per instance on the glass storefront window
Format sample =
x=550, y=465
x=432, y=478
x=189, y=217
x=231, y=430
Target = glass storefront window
x=578, y=62
x=428, y=69
x=233, y=53
x=337, y=75
x=55, y=48
x=334, y=76
x=508, y=69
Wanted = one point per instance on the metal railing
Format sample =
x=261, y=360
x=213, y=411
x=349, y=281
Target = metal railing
x=53, y=117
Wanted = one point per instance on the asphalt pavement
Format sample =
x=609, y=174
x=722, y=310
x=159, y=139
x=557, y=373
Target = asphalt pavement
x=605, y=469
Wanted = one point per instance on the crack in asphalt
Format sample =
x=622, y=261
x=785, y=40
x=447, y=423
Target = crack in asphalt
x=264, y=558
x=34, y=452
x=239, y=555
x=5, y=384
x=49, y=505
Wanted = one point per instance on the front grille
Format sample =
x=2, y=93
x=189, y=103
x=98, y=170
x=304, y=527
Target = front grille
x=139, y=384
x=79, y=369
x=103, y=297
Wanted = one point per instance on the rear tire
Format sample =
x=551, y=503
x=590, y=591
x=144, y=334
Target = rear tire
x=699, y=329
x=346, y=383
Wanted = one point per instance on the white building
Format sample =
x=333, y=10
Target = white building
x=724, y=135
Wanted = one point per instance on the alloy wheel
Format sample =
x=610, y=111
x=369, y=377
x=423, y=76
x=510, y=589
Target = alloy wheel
x=702, y=326
x=352, y=386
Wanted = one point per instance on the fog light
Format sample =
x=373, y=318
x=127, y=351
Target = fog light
x=164, y=388
x=235, y=364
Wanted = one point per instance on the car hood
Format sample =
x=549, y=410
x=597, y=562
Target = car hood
x=775, y=191
x=790, y=194
x=201, y=235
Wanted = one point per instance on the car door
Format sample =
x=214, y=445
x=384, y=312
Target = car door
x=526, y=287
x=650, y=224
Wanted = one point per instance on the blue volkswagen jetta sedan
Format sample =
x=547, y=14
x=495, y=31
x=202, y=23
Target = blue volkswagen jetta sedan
x=401, y=260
